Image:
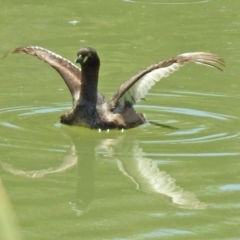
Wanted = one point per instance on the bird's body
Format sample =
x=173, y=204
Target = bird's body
x=90, y=109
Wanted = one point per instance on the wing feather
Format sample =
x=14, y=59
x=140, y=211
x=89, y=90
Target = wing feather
x=70, y=73
x=138, y=86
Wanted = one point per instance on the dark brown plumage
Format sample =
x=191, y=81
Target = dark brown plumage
x=90, y=109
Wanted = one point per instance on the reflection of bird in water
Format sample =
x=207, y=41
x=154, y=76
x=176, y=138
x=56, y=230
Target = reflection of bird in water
x=70, y=160
x=90, y=109
x=145, y=173
x=147, y=177
x=131, y=161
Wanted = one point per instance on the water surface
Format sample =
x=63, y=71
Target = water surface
x=144, y=183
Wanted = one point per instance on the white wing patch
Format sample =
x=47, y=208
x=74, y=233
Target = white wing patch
x=142, y=86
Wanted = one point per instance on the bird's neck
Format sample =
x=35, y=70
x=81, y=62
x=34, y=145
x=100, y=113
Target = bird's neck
x=89, y=85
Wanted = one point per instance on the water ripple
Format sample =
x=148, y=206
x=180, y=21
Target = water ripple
x=167, y=3
x=192, y=125
x=230, y=187
x=188, y=111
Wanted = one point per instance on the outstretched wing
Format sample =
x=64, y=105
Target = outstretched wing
x=70, y=73
x=137, y=87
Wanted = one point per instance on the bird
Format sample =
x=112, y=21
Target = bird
x=89, y=107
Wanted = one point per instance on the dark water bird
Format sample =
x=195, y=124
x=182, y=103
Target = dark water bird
x=90, y=109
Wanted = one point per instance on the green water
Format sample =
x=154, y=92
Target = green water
x=145, y=183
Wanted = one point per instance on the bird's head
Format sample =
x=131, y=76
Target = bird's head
x=87, y=57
